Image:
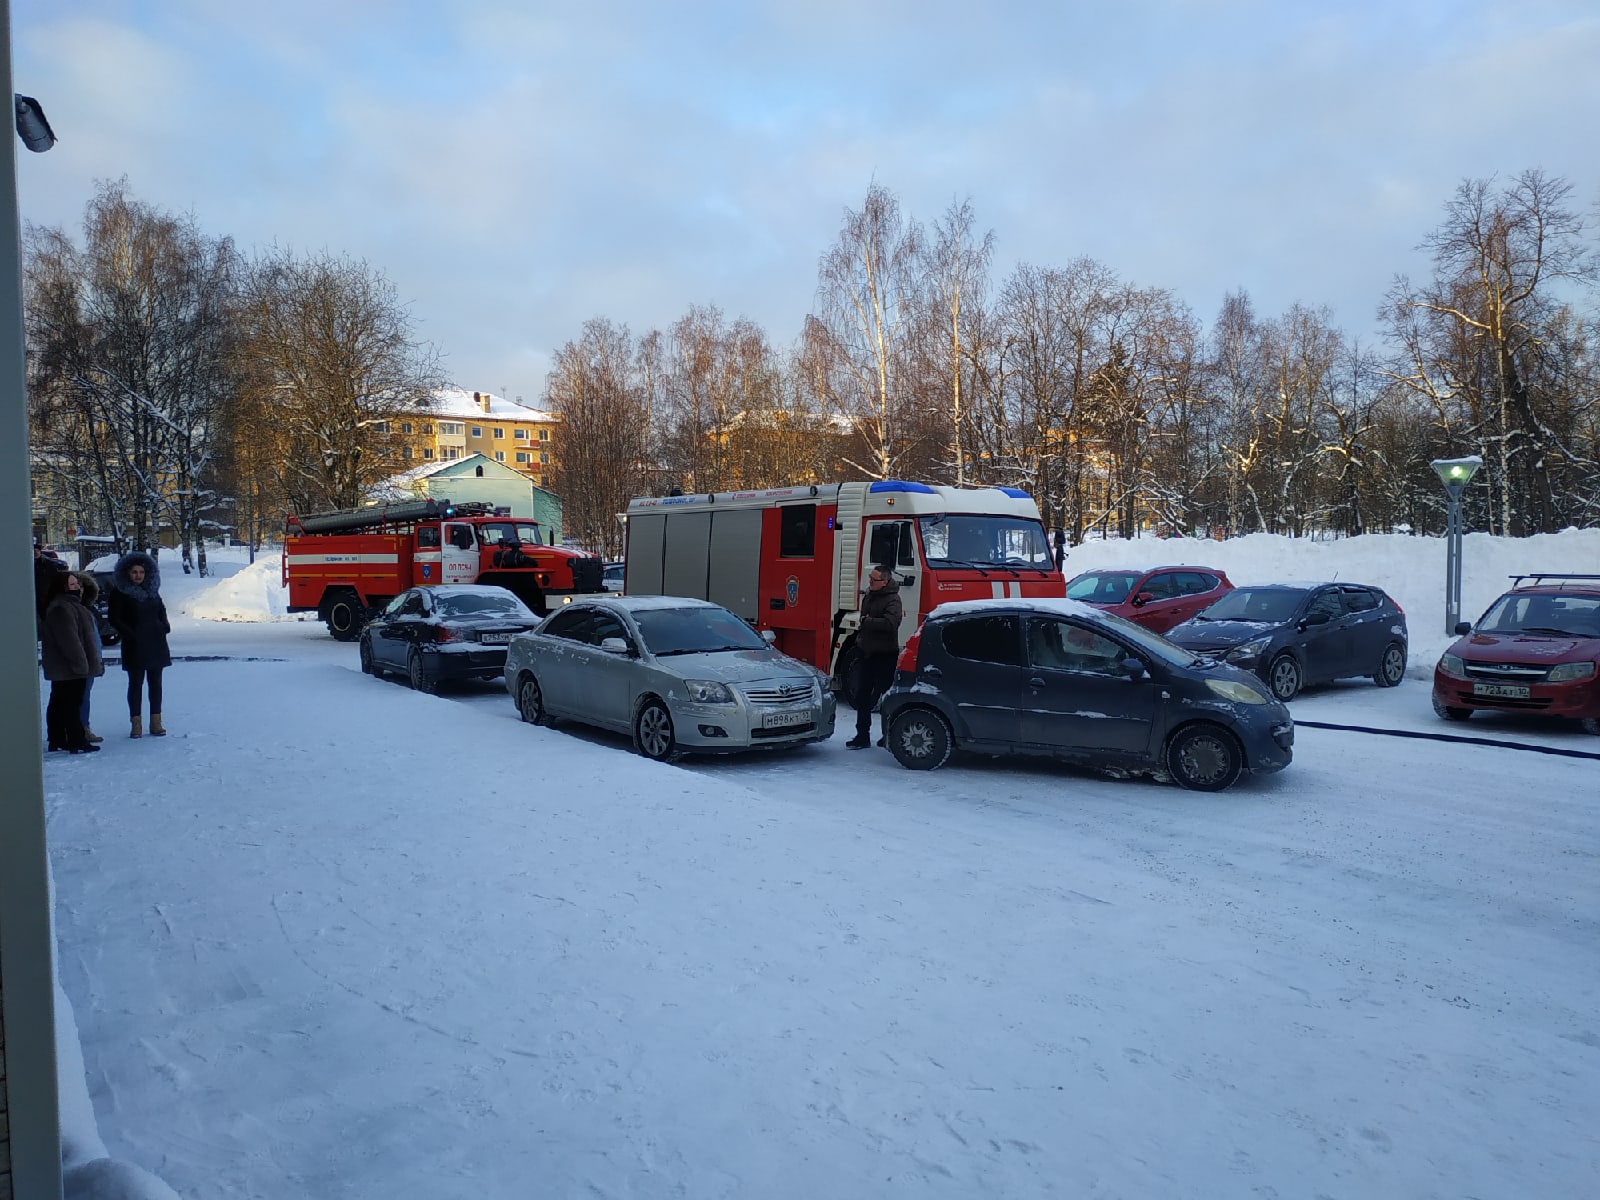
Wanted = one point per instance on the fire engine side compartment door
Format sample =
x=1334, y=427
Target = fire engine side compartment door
x=894, y=542
x=458, y=557
x=735, y=561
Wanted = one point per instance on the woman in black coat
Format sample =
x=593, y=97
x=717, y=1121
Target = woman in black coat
x=137, y=612
x=69, y=652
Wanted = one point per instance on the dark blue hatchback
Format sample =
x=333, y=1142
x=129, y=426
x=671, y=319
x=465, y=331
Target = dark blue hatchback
x=1062, y=679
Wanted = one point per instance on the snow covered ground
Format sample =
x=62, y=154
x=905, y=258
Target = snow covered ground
x=332, y=938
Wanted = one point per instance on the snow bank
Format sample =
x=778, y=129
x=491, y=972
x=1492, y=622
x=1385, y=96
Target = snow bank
x=252, y=593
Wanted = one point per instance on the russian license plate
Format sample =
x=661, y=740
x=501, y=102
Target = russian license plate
x=779, y=720
x=495, y=639
x=1510, y=691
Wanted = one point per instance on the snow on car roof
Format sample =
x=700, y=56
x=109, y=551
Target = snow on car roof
x=1048, y=604
x=465, y=589
x=643, y=603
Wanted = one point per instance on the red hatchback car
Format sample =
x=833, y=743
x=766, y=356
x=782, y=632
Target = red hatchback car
x=1158, y=599
x=1537, y=650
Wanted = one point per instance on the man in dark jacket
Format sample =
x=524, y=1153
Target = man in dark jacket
x=878, y=642
x=45, y=569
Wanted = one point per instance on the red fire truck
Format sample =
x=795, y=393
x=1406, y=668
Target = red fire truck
x=346, y=565
x=795, y=559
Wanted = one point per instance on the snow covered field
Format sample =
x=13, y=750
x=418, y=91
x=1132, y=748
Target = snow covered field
x=336, y=939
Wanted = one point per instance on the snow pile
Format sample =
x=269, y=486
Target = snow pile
x=251, y=593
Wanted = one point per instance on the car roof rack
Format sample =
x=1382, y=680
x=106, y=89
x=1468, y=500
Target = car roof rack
x=1538, y=579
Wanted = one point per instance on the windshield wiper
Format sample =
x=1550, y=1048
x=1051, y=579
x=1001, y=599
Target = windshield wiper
x=1549, y=632
x=706, y=650
x=956, y=562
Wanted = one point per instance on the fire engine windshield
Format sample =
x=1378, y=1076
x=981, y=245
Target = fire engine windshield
x=496, y=533
x=953, y=540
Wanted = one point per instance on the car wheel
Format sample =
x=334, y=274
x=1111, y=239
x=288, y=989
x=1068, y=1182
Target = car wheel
x=1392, y=669
x=1283, y=677
x=1590, y=725
x=920, y=739
x=368, y=665
x=652, y=732
x=421, y=678
x=530, y=702
x=1204, y=758
x=345, y=618
x=1449, y=712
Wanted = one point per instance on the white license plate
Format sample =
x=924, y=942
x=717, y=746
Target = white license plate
x=495, y=639
x=782, y=719
x=1510, y=691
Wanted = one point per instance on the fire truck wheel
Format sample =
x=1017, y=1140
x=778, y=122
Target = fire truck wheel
x=530, y=701
x=421, y=679
x=849, y=673
x=345, y=618
x=652, y=732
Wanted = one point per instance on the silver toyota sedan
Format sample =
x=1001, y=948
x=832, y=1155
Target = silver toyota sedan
x=679, y=675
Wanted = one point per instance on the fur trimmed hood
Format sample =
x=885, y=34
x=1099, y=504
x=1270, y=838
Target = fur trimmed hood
x=152, y=575
x=91, y=588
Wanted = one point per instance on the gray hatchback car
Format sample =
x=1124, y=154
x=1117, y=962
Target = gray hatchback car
x=677, y=674
x=1062, y=679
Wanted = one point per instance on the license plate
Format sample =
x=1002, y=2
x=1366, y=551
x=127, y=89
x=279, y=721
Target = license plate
x=782, y=719
x=495, y=639
x=1510, y=691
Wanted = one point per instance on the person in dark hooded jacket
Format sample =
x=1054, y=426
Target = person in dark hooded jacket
x=69, y=653
x=138, y=613
x=878, y=640
x=89, y=592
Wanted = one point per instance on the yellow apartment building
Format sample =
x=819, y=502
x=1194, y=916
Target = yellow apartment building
x=463, y=423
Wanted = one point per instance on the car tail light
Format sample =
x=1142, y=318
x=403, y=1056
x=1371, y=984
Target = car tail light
x=444, y=633
x=908, y=657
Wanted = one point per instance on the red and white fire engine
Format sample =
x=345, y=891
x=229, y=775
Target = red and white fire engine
x=348, y=564
x=794, y=560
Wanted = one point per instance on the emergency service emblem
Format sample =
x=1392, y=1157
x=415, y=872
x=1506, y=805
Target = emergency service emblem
x=792, y=590
x=427, y=570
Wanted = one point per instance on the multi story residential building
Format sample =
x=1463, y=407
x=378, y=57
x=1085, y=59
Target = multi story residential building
x=505, y=431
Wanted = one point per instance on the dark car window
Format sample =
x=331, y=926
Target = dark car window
x=1360, y=599
x=1270, y=605
x=1193, y=583
x=1061, y=645
x=1326, y=602
x=412, y=606
x=694, y=631
x=1103, y=587
x=571, y=624
x=480, y=604
x=797, y=530
x=1161, y=587
x=984, y=639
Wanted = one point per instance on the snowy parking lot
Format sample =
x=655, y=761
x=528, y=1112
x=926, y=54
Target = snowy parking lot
x=335, y=938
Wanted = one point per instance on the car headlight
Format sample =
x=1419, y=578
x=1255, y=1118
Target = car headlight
x=1566, y=672
x=1249, y=650
x=1451, y=664
x=1239, y=693
x=707, y=691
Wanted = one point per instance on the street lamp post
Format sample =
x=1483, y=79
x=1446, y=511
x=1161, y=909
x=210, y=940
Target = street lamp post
x=1455, y=474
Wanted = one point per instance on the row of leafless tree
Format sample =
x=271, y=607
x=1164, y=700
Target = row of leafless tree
x=174, y=384
x=1109, y=401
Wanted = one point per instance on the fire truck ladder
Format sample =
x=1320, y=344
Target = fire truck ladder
x=347, y=520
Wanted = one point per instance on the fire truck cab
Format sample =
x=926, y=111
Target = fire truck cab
x=794, y=560
x=346, y=565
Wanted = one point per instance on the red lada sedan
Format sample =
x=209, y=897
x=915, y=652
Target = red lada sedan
x=1158, y=599
x=1537, y=650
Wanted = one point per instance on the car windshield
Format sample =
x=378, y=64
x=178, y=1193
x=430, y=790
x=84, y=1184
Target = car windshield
x=480, y=604
x=694, y=631
x=1103, y=587
x=1150, y=643
x=1271, y=605
x=1543, y=613
x=984, y=540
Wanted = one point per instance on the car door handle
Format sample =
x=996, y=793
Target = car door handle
x=1036, y=681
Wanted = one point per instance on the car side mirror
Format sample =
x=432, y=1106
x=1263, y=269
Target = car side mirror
x=1463, y=628
x=1142, y=599
x=1316, y=618
x=614, y=645
x=1134, y=668
x=769, y=636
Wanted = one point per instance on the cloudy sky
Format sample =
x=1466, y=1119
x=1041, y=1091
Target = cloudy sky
x=518, y=167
